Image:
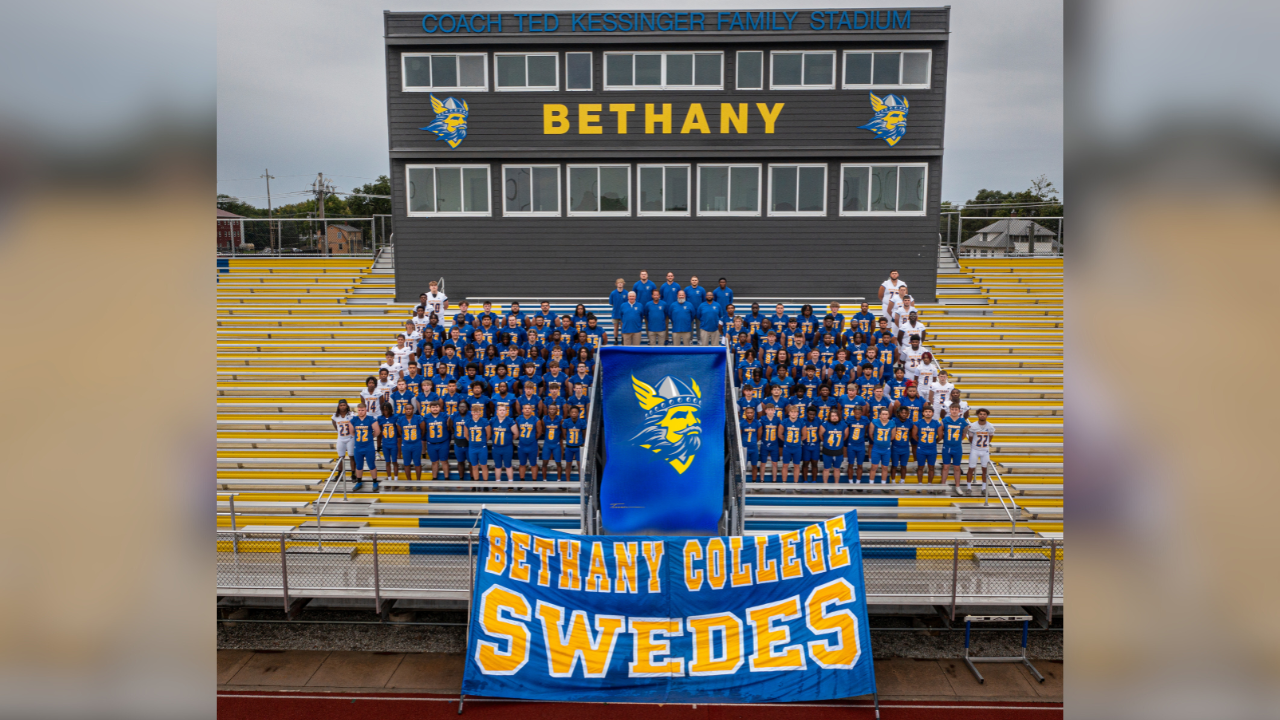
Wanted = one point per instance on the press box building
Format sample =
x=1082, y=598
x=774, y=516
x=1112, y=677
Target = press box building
x=544, y=154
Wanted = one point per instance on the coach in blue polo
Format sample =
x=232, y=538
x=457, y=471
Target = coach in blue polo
x=682, y=314
x=644, y=288
x=632, y=319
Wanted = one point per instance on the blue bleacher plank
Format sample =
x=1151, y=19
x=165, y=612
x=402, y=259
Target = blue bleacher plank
x=563, y=498
x=437, y=548
x=468, y=523
x=888, y=553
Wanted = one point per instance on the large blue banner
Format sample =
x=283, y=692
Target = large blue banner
x=664, y=440
x=778, y=617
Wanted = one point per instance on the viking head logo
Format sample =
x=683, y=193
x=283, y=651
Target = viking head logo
x=890, y=121
x=672, y=428
x=450, y=124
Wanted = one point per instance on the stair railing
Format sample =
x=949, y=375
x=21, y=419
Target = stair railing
x=996, y=485
x=336, y=478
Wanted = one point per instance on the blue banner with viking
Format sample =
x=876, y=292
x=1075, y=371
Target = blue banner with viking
x=664, y=440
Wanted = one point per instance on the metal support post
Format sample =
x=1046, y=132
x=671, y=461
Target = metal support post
x=284, y=576
x=235, y=536
x=471, y=579
x=1053, y=570
x=377, y=591
x=955, y=576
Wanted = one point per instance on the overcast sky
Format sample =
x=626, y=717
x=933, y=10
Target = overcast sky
x=301, y=89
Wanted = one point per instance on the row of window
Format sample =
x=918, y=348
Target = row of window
x=666, y=190
x=787, y=70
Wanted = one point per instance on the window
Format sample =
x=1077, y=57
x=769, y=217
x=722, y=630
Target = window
x=728, y=189
x=887, y=69
x=526, y=72
x=663, y=71
x=882, y=189
x=421, y=72
x=803, y=70
x=448, y=190
x=664, y=190
x=577, y=71
x=797, y=189
x=600, y=190
x=531, y=190
x=750, y=70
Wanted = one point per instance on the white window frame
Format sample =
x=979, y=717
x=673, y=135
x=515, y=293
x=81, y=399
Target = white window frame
x=526, y=87
x=461, y=166
x=835, y=56
x=597, y=213
x=663, y=86
x=404, y=86
x=846, y=85
x=560, y=200
x=884, y=213
x=764, y=58
x=688, y=191
x=591, y=68
x=732, y=213
x=798, y=213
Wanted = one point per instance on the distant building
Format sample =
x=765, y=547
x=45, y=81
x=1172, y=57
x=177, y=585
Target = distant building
x=1012, y=237
x=229, y=231
x=342, y=239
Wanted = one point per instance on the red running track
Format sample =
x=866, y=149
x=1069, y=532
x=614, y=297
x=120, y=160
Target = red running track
x=362, y=706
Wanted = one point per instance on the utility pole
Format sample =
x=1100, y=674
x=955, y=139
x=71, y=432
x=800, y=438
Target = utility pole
x=321, y=187
x=266, y=173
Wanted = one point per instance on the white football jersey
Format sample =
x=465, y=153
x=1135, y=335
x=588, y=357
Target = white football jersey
x=980, y=435
x=372, y=400
x=436, y=303
x=911, y=358
x=344, y=424
x=907, y=330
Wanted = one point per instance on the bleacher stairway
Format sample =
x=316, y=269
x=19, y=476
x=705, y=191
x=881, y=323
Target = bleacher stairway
x=296, y=334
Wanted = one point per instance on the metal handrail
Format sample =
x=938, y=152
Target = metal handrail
x=738, y=479
x=1001, y=484
x=336, y=478
x=231, y=498
x=586, y=487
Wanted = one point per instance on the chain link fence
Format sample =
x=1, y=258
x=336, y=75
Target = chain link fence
x=1022, y=571
x=335, y=236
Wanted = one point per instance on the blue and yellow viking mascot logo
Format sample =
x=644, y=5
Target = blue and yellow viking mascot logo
x=890, y=121
x=672, y=426
x=450, y=124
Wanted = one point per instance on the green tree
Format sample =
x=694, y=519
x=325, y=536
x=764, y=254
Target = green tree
x=230, y=204
x=368, y=207
x=1039, y=200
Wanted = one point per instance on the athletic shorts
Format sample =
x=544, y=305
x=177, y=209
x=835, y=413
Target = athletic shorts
x=753, y=454
x=900, y=457
x=879, y=456
x=412, y=454
x=809, y=453
x=831, y=461
x=438, y=452
x=527, y=455
x=502, y=456
x=858, y=452
x=390, y=452
x=979, y=458
x=346, y=446
x=573, y=453
x=366, y=458
x=952, y=456
x=478, y=454
x=460, y=451
x=770, y=453
x=551, y=451
x=927, y=458
x=792, y=454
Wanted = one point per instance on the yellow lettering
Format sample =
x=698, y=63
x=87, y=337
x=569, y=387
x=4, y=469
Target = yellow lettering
x=707, y=659
x=570, y=578
x=739, y=118
x=770, y=116
x=765, y=656
x=651, y=119
x=715, y=563
x=842, y=651
x=489, y=656
x=695, y=119
x=739, y=574
x=692, y=577
x=653, y=560
x=565, y=648
x=519, y=550
x=597, y=575
x=625, y=557
x=790, y=565
x=621, y=109
x=497, y=560
x=646, y=657
x=545, y=548
x=555, y=119
x=837, y=553
x=814, y=557
x=768, y=571
x=588, y=113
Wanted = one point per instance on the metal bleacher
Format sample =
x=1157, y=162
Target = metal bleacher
x=296, y=334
